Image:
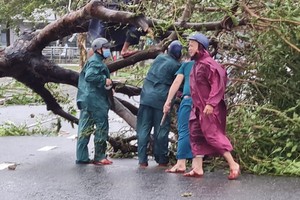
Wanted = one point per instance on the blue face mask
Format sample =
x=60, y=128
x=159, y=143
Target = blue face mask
x=106, y=53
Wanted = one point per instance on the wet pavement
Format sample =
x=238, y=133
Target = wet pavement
x=51, y=173
x=37, y=117
x=45, y=169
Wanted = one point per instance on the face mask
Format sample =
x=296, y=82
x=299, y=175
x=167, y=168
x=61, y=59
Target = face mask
x=106, y=53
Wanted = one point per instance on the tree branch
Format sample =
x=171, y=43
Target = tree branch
x=77, y=22
x=252, y=14
x=124, y=113
x=52, y=105
x=126, y=89
x=51, y=72
x=208, y=26
x=137, y=57
x=133, y=109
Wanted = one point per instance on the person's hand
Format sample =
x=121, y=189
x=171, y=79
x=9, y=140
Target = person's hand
x=108, y=82
x=150, y=33
x=167, y=107
x=208, y=109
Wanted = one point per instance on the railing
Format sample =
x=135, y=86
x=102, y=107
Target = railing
x=62, y=54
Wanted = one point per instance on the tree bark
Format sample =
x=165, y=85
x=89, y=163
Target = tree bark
x=23, y=60
x=81, y=40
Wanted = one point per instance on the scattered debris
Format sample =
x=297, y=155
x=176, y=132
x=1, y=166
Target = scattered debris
x=9, y=165
x=42, y=122
x=72, y=137
x=186, y=194
x=63, y=133
x=12, y=167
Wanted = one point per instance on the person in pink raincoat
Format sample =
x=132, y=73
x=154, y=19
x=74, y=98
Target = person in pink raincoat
x=207, y=122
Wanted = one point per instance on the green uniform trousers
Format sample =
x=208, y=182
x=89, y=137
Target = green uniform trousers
x=87, y=121
x=147, y=118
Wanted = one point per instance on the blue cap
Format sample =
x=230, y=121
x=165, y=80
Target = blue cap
x=175, y=48
x=200, y=38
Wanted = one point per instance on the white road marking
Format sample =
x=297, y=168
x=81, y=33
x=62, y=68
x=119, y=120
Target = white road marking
x=47, y=148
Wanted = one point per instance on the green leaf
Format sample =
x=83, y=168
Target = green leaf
x=277, y=150
x=294, y=148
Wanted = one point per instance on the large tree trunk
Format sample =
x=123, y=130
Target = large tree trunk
x=23, y=60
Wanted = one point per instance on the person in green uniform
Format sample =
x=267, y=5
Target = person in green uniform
x=92, y=100
x=153, y=96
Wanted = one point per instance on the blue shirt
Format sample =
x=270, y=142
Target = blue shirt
x=185, y=69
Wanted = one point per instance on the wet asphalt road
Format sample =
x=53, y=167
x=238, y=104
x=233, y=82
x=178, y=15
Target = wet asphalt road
x=53, y=174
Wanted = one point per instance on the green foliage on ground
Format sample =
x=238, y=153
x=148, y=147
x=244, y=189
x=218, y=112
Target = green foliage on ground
x=11, y=129
x=266, y=140
x=16, y=93
x=264, y=118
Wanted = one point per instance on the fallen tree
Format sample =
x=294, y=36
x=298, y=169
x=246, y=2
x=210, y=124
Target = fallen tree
x=240, y=38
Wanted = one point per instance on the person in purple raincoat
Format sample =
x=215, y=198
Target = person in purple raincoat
x=208, y=116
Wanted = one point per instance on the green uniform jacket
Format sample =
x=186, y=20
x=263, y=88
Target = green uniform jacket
x=91, y=92
x=158, y=81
